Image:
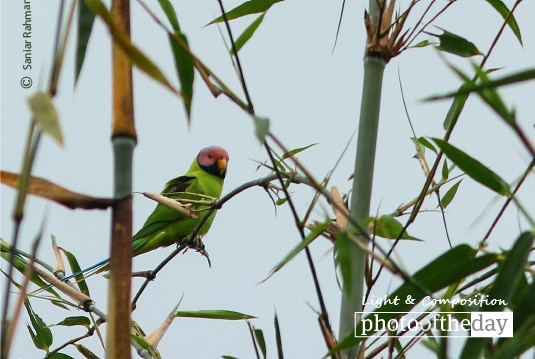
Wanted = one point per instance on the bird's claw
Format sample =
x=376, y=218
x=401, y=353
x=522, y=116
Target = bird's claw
x=198, y=246
x=205, y=254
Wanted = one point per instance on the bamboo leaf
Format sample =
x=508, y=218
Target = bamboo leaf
x=260, y=340
x=86, y=19
x=511, y=271
x=88, y=354
x=473, y=168
x=59, y=303
x=246, y=8
x=456, y=108
x=445, y=170
x=315, y=233
x=170, y=12
x=59, y=356
x=248, y=33
x=295, y=151
x=185, y=68
x=41, y=334
x=213, y=314
x=522, y=341
x=139, y=336
x=448, y=197
x=386, y=226
x=455, y=44
x=141, y=341
x=261, y=128
x=59, y=52
x=278, y=337
x=422, y=43
x=420, y=149
x=502, y=9
x=526, y=307
x=75, y=268
x=281, y=201
x=449, y=268
x=493, y=99
x=75, y=321
x=45, y=115
x=399, y=348
x=342, y=257
x=509, y=275
x=184, y=61
x=425, y=143
x=433, y=345
x=137, y=57
x=469, y=87
x=20, y=264
x=523, y=328
x=46, y=189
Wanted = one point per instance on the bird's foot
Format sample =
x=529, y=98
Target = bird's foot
x=205, y=255
x=198, y=246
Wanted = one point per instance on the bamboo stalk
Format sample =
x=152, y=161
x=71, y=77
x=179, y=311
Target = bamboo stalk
x=123, y=140
x=352, y=294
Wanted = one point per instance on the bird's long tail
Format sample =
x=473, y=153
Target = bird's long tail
x=94, y=268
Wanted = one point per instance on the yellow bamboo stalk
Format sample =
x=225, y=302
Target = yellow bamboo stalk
x=123, y=139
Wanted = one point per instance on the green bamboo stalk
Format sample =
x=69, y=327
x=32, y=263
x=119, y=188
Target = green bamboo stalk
x=124, y=141
x=352, y=295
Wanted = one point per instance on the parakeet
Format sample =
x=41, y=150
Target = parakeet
x=196, y=190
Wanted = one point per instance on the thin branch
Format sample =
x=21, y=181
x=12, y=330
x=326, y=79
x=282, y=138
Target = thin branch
x=88, y=334
x=412, y=36
x=151, y=275
x=339, y=25
x=300, y=227
x=422, y=160
x=528, y=170
x=255, y=346
x=250, y=108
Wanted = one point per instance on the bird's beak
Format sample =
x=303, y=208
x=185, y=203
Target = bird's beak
x=222, y=165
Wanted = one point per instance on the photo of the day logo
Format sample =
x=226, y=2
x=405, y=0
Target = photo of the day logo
x=441, y=324
x=491, y=324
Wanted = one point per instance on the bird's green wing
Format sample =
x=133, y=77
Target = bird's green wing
x=179, y=184
x=165, y=225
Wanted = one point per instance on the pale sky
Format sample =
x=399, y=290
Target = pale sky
x=311, y=95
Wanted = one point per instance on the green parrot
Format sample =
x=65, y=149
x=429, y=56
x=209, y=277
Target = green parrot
x=196, y=190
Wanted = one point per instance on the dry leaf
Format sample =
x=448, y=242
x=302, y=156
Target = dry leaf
x=46, y=189
x=385, y=39
x=172, y=203
x=154, y=338
x=339, y=208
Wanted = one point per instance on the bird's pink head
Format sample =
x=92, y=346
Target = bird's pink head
x=213, y=160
